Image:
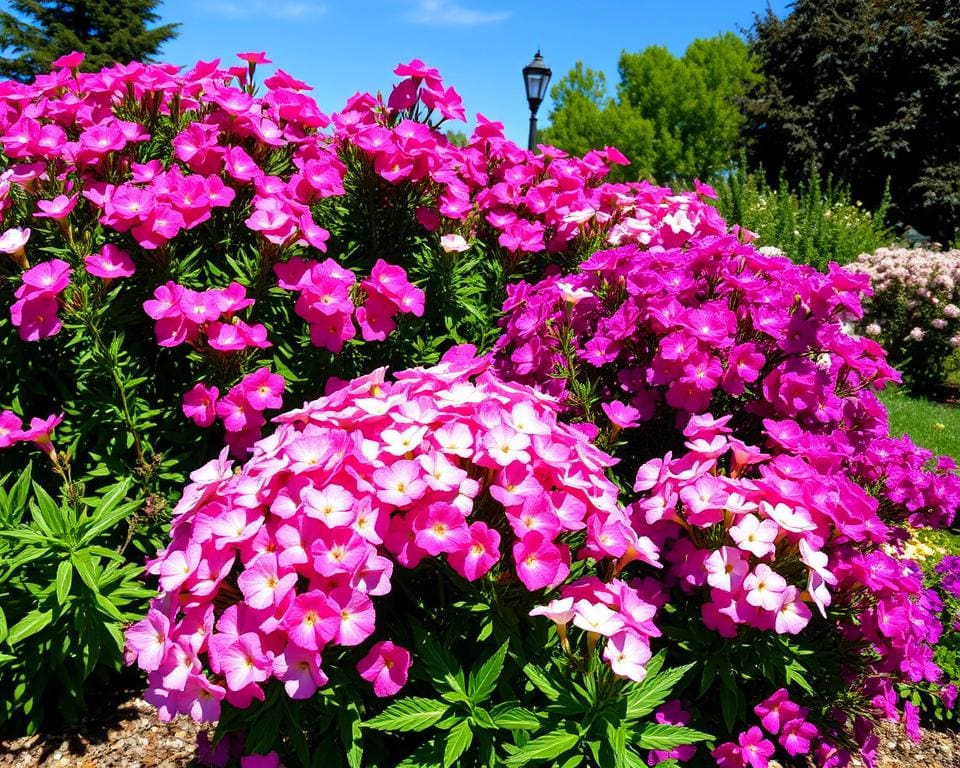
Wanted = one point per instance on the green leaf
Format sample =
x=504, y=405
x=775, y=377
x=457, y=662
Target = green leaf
x=351, y=733
x=29, y=625
x=547, y=747
x=84, y=565
x=458, y=740
x=617, y=743
x=412, y=713
x=64, y=581
x=514, y=717
x=46, y=514
x=665, y=737
x=646, y=696
x=427, y=755
x=483, y=680
x=539, y=678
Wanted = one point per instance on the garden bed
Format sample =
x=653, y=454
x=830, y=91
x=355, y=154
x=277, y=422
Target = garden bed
x=130, y=736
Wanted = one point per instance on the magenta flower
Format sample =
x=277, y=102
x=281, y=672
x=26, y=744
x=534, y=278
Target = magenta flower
x=57, y=208
x=148, y=640
x=540, y=563
x=386, y=666
x=300, y=671
x=109, y=263
x=797, y=735
x=755, y=749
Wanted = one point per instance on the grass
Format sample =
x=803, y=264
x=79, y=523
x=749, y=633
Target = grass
x=932, y=425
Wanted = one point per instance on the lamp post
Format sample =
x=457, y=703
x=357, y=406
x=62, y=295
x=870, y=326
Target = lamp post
x=536, y=78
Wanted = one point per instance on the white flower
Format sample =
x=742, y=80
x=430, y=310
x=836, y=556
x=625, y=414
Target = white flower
x=454, y=243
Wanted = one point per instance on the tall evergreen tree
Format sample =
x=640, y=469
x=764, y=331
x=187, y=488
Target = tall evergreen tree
x=107, y=31
x=867, y=90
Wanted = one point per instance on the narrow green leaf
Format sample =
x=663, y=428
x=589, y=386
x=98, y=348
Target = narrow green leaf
x=539, y=678
x=514, y=717
x=412, y=713
x=646, y=696
x=665, y=737
x=458, y=741
x=483, y=680
x=547, y=747
x=29, y=625
x=64, y=581
x=84, y=564
x=351, y=733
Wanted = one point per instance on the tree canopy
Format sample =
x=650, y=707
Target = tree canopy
x=674, y=118
x=866, y=90
x=108, y=31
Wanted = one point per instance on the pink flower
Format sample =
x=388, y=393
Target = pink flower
x=623, y=416
x=540, y=562
x=311, y=621
x=58, y=208
x=147, y=641
x=793, y=615
x=49, y=277
x=440, y=528
x=356, y=616
x=10, y=429
x=756, y=537
x=386, y=666
x=627, y=653
x=797, y=735
x=300, y=671
x=726, y=569
x=756, y=750
x=765, y=588
x=263, y=389
x=110, y=262
x=454, y=243
x=479, y=554
x=262, y=584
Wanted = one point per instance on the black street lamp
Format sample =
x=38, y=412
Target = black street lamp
x=536, y=78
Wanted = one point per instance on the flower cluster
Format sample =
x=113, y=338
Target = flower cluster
x=291, y=548
x=35, y=313
x=185, y=316
x=764, y=511
x=326, y=293
x=240, y=410
x=915, y=309
x=779, y=717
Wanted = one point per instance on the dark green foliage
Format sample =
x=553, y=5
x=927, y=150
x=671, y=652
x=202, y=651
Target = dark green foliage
x=109, y=31
x=868, y=91
x=674, y=118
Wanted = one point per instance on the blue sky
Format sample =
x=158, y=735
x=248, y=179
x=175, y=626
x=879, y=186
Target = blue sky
x=479, y=46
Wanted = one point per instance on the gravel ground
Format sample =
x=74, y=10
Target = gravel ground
x=130, y=736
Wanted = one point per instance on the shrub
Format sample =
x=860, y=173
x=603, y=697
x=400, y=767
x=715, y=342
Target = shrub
x=459, y=532
x=914, y=311
x=743, y=410
x=813, y=224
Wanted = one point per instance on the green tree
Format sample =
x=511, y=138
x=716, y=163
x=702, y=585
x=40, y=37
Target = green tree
x=107, y=31
x=585, y=118
x=866, y=90
x=674, y=118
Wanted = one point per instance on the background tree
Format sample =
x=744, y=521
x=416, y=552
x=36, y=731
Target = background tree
x=107, y=31
x=674, y=118
x=867, y=90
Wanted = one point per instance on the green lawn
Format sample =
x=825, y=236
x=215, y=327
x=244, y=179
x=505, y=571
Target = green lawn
x=932, y=425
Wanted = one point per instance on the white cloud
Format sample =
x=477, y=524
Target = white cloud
x=449, y=13
x=281, y=9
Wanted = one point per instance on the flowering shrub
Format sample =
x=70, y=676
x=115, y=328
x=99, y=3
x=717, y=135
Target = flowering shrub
x=740, y=402
x=914, y=311
x=275, y=571
x=447, y=563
